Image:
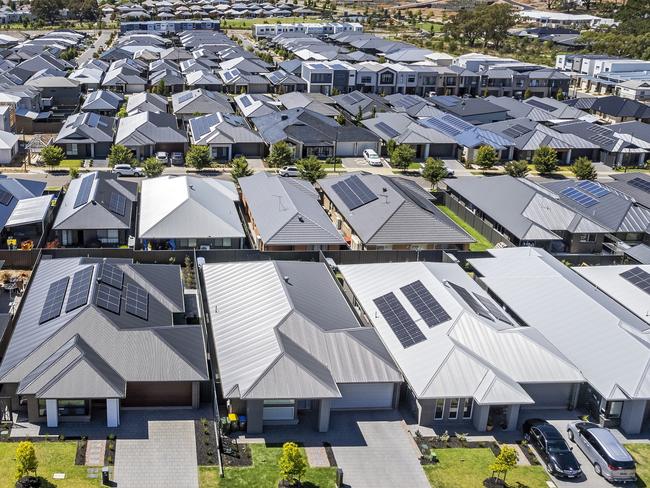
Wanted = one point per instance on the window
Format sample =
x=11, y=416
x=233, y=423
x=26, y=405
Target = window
x=366, y=79
x=468, y=405
x=226, y=242
x=440, y=409
x=69, y=408
x=453, y=408
x=587, y=238
x=387, y=78
x=108, y=236
x=41, y=408
x=411, y=79
x=611, y=410
x=72, y=149
x=321, y=77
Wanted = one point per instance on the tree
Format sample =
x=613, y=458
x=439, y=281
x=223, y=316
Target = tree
x=358, y=117
x=434, y=170
x=559, y=96
x=121, y=113
x=528, y=93
x=46, y=10
x=239, y=168
x=583, y=169
x=26, y=462
x=390, y=146
x=486, y=157
x=198, y=157
x=152, y=167
x=340, y=119
x=545, y=160
x=311, y=169
x=120, y=154
x=334, y=160
x=52, y=156
x=292, y=463
x=402, y=156
x=505, y=461
x=517, y=169
x=281, y=155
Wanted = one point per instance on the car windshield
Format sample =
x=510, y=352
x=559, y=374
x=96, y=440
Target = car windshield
x=557, y=445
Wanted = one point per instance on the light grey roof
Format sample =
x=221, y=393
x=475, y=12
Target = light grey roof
x=182, y=207
x=398, y=216
x=148, y=128
x=86, y=128
x=20, y=190
x=30, y=210
x=219, y=128
x=517, y=109
x=409, y=131
x=308, y=101
x=295, y=324
x=530, y=136
x=146, y=102
x=287, y=212
x=200, y=101
x=640, y=253
x=102, y=100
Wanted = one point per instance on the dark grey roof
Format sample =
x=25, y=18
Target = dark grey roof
x=612, y=105
x=86, y=128
x=622, y=183
x=465, y=107
x=639, y=130
x=601, y=136
x=148, y=128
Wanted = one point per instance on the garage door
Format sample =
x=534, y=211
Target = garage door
x=549, y=395
x=374, y=395
x=149, y=394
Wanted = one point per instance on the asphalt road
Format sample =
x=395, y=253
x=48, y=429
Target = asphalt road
x=99, y=42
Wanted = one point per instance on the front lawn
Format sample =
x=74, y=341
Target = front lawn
x=481, y=243
x=53, y=457
x=71, y=163
x=641, y=454
x=469, y=467
x=264, y=473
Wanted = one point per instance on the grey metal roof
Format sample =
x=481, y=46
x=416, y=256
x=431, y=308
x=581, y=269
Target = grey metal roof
x=86, y=128
x=19, y=189
x=640, y=253
x=308, y=101
x=102, y=100
x=146, y=102
x=148, y=128
x=200, y=101
x=517, y=109
x=530, y=136
x=30, y=210
x=287, y=212
x=622, y=183
x=219, y=128
x=409, y=131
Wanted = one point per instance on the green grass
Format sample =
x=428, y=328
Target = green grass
x=53, y=457
x=263, y=473
x=71, y=163
x=426, y=26
x=641, y=454
x=481, y=243
x=469, y=467
x=247, y=23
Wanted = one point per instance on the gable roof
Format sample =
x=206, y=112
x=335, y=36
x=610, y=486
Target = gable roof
x=200, y=101
x=148, y=128
x=86, y=128
x=146, y=102
x=102, y=100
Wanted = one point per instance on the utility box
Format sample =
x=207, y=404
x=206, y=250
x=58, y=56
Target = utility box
x=105, y=476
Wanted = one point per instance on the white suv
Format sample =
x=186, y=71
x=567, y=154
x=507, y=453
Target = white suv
x=127, y=170
x=371, y=157
x=289, y=171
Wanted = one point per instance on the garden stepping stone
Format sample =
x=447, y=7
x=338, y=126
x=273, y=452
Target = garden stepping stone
x=95, y=452
x=58, y=476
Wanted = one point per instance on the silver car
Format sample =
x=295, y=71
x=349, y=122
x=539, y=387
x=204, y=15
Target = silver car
x=609, y=458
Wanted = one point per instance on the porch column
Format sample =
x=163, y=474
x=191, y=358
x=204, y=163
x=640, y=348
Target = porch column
x=324, y=415
x=480, y=417
x=92, y=151
x=568, y=157
x=632, y=416
x=512, y=415
x=112, y=412
x=52, y=413
x=230, y=153
x=196, y=394
x=511, y=153
x=426, y=151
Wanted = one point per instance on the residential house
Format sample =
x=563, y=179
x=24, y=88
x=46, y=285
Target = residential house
x=147, y=133
x=612, y=109
x=102, y=102
x=146, y=102
x=256, y=105
x=635, y=185
x=236, y=82
x=8, y=147
x=315, y=102
x=285, y=82
x=227, y=135
x=366, y=104
x=476, y=111
x=191, y=103
x=25, y=212
x=86, y=135
x=58, y=93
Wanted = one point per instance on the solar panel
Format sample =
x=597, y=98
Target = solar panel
x=54, y=300
x=442, y=126
x=538, y=104
x=423, y=302
x=185, y=97
x=594, y=188
x=516, y=130
x=354, y=192
x=471, y=301
x=598, y=129
x=84, y=190
x=579, y=197
x=398, y=319
x=117, y=203
x=640, y=183
x=357, y=97
x=79, y=289
x=137, y=301
x=639, y=278
x=386, y=129
x=493, y=309
x=111, y=275
x=108, y=298
x=246, y=101
x=602, y=140
x=5, y=197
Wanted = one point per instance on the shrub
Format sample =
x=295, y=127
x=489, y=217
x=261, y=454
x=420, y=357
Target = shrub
x=198, y=157
x=152, y=167
x=292, y=463
x=120, y=154
x=281, y=155
x=26, y=462
x=52, y=156
x=311, y=169
x=402, y=156
x=517, y=169
x=486, y=157
x=545, y=160
x=583, y=169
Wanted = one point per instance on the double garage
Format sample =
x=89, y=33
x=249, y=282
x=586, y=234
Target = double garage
x=361, y=396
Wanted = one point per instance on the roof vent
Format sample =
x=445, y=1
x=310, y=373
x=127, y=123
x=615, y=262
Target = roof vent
x=284, y=117
x=286, y=280
x=300, y=218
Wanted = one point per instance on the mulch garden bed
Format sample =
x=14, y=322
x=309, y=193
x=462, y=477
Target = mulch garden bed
x=80, y=456
x=528, y=453
x=428, y=445
x=235, y=454
x=206, y=443
x=330, y=454
x=109, y=452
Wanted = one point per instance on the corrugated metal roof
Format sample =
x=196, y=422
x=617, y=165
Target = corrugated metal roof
x=30, y=210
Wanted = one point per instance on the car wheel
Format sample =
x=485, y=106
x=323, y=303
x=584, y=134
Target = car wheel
x=598, y=469
x=570, y=435
x=137, y=175
x=119, y=174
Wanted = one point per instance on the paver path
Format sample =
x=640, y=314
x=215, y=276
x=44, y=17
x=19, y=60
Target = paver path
x=167, y=459
x=95, y=452
x=317, y=457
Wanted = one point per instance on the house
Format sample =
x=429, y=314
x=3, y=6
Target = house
x=614, y=396
x=284, y=215
x=517, y=109
x=412, y=105
x=256, y=105
x=8, y=147
x=634, y=90
x=191, y=103
x=189, y=212
x=366, y=104
x=634, y=185
x=612, y=109
x=235, y=82
x=466, y=361
x=522, y=213
x=57, y=92
x=124, y=79
x=86, y=135
x=375, y=212
x=297, y=325
x=98, y=210
x=316, y=102
x=638, y=254
x=227, y=135
x=560, y=110
x=102, y=102
x=74, y=362
x=169, y=80
x=147, y=133
x=146, y=102
x=25, y=212
x=203, y=79
x=473, y=110
x=88, y=78
x=286, y=82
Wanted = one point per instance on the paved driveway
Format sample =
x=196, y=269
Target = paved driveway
x=166, y=459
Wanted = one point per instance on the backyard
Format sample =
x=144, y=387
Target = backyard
x=481, y=243
x=469, y=467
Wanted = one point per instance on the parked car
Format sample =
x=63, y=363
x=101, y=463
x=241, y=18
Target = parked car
x=162, y=157
x=289, y=171
x=608, y=456
x=127, y=170
x=371, y=157
x=449, y=172
x=552, y=448
x=177, y=159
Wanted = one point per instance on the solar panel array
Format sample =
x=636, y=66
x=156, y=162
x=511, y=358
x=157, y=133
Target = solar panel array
x=5, y=197
x=516, y=130
x=398, y=319
x=108, y=298
x=111, y=275
x=639, y=278
x=246, y=101
x=640, y=183
x=603, y=140
x=471, y=301
x=579, y=197
x=85, y=187
x=493, y=309
x=595, y=189
x=185, y=97
x=357, y=97
x=117, y=203
x=598, y=129
x=54, y=300
x=137, y=301
x=79, y=289
x=538, y=104
x=387, y=129
x=354, y=192
x=425, y=304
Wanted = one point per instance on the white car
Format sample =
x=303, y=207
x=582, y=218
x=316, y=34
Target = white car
x=127, y=170
x=371, y=157
x=289, y=171
x=162, y=157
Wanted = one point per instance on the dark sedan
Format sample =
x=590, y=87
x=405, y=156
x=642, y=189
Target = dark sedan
x=552, y=448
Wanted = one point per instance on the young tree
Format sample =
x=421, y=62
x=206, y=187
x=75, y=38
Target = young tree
x=559, y=96
x=152, y=167
x=292, y=463
x=402, y=157
x=26, y=462
x=198, y=157
x=504, y=462
x=434, y=171
x=528, y=93
x=52, y=156
x=281, y=155
x=517, y=169
x=311, y=169
x=120, y=154
x=545, y=160
x=390, y=146
x=239, y=168
x=486, y=157
x=358, y=117
x=121, y=113
x=583, y=169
